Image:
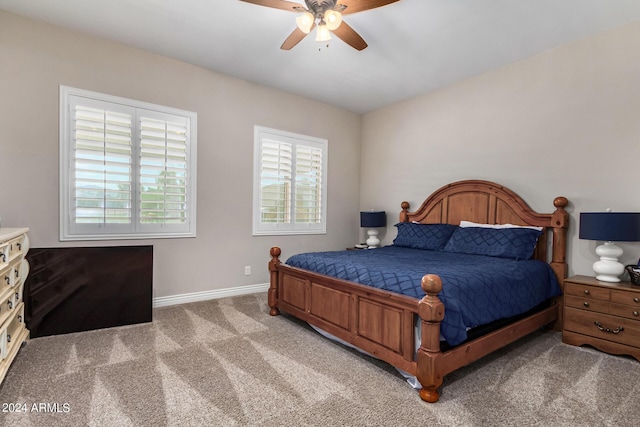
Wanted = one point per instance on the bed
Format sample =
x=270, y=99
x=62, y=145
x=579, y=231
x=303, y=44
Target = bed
x=383, y=323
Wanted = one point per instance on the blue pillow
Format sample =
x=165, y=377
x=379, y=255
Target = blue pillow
x=516, y=243
x=423, y=236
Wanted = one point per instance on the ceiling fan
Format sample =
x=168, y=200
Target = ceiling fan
x=326, y=15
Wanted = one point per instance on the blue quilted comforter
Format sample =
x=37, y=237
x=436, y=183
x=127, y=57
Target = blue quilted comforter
x=476, y=290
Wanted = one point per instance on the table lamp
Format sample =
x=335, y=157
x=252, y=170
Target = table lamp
x=373, y=220
x=609, y=227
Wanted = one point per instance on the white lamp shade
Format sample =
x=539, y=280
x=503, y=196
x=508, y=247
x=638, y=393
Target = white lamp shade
x=304, y=22
x=323, y=35
x=333, y=19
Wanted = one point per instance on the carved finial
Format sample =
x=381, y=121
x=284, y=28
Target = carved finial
x=431, y=284
x=275, y=252
x=560, y=218
x=560, y=202
x=404, y=215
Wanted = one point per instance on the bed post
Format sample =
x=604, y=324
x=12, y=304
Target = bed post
x=273, y=275
x=404, y=215
x=431, y=311
x=560, y=222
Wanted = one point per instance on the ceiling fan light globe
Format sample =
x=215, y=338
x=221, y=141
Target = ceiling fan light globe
x=323, y=34
x=304, y=22
x=333, y=19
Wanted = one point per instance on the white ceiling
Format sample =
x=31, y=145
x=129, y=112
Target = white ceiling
x=415, y=46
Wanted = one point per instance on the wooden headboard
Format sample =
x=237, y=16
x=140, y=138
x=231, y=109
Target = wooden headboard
x=490, y=203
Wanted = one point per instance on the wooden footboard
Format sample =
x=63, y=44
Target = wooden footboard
x=376, y=321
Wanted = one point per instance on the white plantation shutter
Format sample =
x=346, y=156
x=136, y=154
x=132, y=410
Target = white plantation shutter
x=289, y=183
x=101, y=166
x=309, y=185
x=164, y=161
x=275, y=182
x=127, y=168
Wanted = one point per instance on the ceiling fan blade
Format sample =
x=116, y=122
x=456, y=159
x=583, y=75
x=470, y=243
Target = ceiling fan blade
x=349, y=36
x=354, y=6
x=294, y=38
x=277, y=4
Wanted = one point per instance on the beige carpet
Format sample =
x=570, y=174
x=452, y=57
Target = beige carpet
x=228, y=363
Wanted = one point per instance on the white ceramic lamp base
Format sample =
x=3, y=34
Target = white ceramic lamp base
x=373, y=240
x=608, y=269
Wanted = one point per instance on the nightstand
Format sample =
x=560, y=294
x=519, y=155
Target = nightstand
x=602, y=314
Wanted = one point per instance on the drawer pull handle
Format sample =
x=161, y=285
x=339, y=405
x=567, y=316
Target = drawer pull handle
x=8, y=279
x=636, y=299
x=610, y=331
x=19, y=245
x=586, y=291
x=586, y=304
x=635, y=313
x=4, y=257
x=8, y=338
x=19, y=319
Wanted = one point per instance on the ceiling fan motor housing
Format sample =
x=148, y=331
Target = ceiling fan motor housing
x=319, y=7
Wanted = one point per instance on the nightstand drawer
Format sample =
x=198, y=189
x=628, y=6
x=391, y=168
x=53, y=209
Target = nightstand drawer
x=603, y=326
x=627, y=298
x=587, y=291
x=586, y=304
x=627, y=311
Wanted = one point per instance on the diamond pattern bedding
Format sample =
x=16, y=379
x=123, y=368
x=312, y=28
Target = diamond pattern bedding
x=517, y=243
x=477, y=289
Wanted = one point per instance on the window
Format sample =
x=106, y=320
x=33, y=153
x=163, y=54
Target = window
x=127, y=168
x=290, y=183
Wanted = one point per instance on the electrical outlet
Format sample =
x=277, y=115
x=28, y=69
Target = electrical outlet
x=247, y=270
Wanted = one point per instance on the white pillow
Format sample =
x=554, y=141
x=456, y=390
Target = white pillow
x=464, y=224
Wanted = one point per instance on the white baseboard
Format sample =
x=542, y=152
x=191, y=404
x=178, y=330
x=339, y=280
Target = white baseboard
x=207, y=295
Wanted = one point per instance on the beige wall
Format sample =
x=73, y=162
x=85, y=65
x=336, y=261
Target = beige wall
x=36, y=58
x=565, y=122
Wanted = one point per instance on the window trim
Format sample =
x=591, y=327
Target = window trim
x=66, y=151
x=293, y=228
